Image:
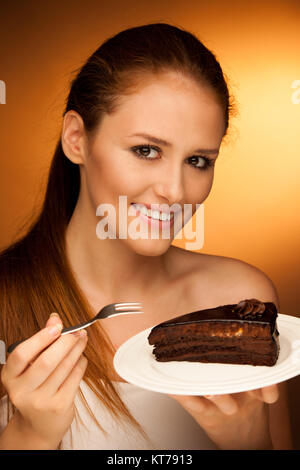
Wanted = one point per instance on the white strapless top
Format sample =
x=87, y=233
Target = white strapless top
x=168, y=425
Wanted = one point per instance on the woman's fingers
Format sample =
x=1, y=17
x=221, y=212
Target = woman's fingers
x=255, y=394
x=70, y=385
x=190, y=403
x=62, y=371
x=207, y=405
x=26, y=351
x=54, y=319
x=228, y=404
x=47, y=362
x=225, y=403
x=268, y=394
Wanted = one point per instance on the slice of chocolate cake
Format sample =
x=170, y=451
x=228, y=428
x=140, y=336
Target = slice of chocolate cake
x=243, y=333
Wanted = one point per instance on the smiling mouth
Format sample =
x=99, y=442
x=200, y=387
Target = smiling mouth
x=154, y=214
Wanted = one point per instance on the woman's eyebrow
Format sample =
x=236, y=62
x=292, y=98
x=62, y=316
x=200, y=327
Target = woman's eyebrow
x=158, y=141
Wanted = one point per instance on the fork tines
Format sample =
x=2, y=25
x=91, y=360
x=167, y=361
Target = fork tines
x=128, y=307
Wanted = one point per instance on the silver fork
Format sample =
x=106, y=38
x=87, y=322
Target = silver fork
x=111, y=310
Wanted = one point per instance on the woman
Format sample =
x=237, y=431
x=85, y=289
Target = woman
x=162, y=82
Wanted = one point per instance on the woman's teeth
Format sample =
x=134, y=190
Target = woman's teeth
x=154, y=214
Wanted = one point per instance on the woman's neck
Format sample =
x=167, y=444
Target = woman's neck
x=110, y=267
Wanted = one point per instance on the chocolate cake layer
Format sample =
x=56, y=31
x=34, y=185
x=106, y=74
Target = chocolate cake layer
x=243, y=333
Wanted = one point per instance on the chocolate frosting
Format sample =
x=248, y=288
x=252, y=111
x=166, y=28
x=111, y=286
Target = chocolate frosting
x=226, y=313
x=250, y=309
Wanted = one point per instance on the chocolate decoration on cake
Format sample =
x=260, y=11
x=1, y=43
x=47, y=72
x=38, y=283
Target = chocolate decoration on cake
x=250, y=308
x=242, y=333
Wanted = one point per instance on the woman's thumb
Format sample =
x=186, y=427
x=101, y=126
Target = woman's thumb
x=53, y=319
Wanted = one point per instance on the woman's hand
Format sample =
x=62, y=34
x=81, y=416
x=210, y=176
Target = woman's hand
x=237, y=421
x=42, y=376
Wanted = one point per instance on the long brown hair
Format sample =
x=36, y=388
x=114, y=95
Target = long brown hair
x=35, y=276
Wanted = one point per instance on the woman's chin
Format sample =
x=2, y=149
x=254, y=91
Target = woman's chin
x=150, y=247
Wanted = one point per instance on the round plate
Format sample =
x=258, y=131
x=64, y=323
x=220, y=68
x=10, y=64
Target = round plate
x=135, y=363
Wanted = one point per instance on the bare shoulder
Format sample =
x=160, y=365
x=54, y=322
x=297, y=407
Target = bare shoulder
x=244, y=280
x=219, y=280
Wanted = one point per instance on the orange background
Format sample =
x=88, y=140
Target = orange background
x=253, y=211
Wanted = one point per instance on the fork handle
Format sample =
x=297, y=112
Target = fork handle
x=14, y=345
x=70, y=329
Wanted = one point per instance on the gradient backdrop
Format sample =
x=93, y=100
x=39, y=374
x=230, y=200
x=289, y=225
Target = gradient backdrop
x=253, y=210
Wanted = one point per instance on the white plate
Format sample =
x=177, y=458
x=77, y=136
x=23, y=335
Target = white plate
x=135, y=362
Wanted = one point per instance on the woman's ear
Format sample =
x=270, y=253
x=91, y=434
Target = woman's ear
x=73, y=137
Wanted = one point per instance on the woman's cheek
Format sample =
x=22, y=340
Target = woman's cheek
x=199, y=189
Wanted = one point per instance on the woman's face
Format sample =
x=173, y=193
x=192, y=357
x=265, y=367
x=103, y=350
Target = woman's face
x=180, y=171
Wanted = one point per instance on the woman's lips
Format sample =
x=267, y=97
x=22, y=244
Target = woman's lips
x=154, y=222
x=157, y=207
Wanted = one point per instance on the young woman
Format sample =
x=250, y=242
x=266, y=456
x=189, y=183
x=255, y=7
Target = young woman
x=145, y=118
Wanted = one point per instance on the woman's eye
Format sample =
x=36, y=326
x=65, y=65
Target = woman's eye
x=201, y=162
x=143, y=151
x=198, y=162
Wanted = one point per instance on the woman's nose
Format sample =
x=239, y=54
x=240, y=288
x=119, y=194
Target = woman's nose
x=170, y=185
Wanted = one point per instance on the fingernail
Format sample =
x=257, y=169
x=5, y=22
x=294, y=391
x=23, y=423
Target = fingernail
x=55, y=330
x=81, y=333
x=54, y=314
